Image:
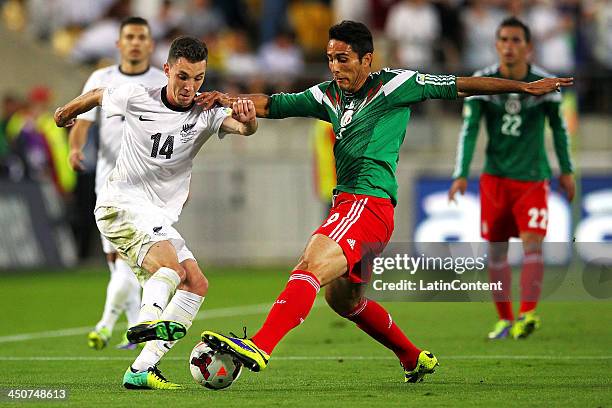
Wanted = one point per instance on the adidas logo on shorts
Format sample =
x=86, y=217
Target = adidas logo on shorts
x=351, y=243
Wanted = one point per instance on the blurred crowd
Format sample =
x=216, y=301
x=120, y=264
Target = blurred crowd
x=278, y=44
x=272, y=45
x=31, y=146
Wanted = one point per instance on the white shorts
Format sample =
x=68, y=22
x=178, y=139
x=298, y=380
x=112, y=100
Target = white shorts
x=132, y=235
x=107, y=247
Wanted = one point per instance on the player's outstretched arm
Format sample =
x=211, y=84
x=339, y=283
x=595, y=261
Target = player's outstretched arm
x=467, y=86
x=243, y=120
x=208, y=100
x=65, y=115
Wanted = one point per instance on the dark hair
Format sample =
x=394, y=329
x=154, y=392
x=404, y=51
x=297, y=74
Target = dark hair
x=515, y=22
x=134, y=21
x=190, y=48
x=355, y=34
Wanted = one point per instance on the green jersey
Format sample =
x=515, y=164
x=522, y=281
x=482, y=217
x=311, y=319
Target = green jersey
x=515, y=128
x=369, y=124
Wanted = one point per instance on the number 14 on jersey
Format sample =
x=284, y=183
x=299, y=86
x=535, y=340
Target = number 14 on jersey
x=167, y=147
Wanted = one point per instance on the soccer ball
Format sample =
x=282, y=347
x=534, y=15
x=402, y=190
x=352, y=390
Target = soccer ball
x=212, y=369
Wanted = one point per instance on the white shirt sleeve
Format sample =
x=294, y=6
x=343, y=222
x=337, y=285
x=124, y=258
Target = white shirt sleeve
x=214, y=119
x=115, y=100
x=92, y=83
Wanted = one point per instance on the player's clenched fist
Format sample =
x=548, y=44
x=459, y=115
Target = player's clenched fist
x=61, y=119
x=243, y=110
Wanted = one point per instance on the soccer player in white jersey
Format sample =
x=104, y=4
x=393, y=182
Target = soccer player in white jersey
x=135, y=46
x=163, y=131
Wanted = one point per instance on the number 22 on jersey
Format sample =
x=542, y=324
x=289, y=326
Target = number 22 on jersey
x=535, y=214
x=511, y=125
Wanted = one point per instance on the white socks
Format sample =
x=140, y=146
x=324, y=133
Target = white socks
x=182, y=308
x=156, y=292
x=122, y=290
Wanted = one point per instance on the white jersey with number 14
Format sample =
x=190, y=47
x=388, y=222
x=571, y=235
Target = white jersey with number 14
x=112, y=127
x=159, y=142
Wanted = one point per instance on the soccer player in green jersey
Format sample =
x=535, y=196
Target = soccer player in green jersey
x=514, y=184
x=369, y=112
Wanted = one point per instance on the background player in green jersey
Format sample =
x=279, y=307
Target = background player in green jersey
x=369, y=112
x=514, y=184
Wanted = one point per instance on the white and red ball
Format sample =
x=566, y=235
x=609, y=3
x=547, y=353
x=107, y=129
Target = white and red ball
x=214, y=370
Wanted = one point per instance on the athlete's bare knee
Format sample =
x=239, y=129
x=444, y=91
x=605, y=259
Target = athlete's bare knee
x=312, y=264
x=180, y=271
x=163, y=255
x=532, y=242
x=341, y=301
x=323, y=258
x=343, y=307
x=198, y=284
x=195, y=281
x=302, y=265
x=154, y=267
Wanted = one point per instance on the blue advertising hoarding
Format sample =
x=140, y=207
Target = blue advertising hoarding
x=437, y=220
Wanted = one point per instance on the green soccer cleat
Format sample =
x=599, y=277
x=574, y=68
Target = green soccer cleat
x=500, y=330
x=426, y=364
x=253, y=358
x=152, y=379
x=98, y=339
x=165, y=330
x=526, y=324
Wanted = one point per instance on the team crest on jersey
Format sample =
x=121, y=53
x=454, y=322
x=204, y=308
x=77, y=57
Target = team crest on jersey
x=513, y=104
x=420, y=79
x=347, y=117
x=158, y=231
x=187, y=133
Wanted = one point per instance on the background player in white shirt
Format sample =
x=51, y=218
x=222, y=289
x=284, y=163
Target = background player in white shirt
x=163, y=131
x=135, y=46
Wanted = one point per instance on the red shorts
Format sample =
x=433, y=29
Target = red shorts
x=362, y=225
x=509, y=207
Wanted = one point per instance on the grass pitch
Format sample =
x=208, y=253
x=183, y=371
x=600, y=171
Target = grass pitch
x=326, y=362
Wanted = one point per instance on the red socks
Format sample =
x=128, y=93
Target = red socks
x=373, y=319
x=294, y=303
x=531, y=280
x=531, y=284
x=290, y=309
x=501, y=272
